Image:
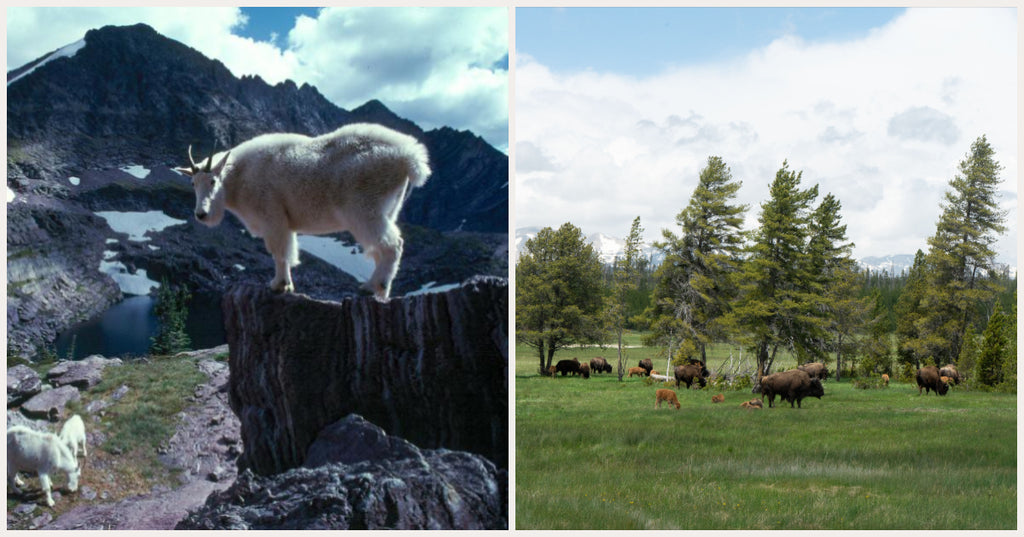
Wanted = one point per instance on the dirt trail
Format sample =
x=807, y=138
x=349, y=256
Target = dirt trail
x=205, y=447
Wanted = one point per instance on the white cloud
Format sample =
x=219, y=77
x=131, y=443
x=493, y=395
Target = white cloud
x=882, y=122
x=430, y=65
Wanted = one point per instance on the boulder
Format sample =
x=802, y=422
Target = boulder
x=49, y=404
x=22, y=383
x=401, y=487
x=82, y=374
x=431, y=368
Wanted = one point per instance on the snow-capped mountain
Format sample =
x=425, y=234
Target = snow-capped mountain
x=893, y=264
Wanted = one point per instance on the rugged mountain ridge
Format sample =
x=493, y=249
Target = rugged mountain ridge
x=78, y=119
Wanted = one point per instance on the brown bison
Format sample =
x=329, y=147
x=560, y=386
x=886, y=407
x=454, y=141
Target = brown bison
x=553, y=370
x=690, y=372
x=647, y=365
x=666, y=395
x=638, y=371
x=816, y=370
x=718, y=398
x=568, y=366
x=928, y=378
x=791, y=386
x=885, y=379
x=949, y=370
x=600, y=365
x=585, y=370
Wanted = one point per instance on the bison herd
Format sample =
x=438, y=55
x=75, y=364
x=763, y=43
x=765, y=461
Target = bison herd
x=791, y=386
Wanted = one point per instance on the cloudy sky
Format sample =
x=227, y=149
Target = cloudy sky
x=435, y=66
x=617, y=110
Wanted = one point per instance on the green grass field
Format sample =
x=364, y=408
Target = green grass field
x=595, y=454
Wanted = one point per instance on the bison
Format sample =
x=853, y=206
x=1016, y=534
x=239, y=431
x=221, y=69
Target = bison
x=638, y=371
x=791, y=386
x=752, y=404
x=718, y=398
x=885, y=379
x=568, y=366
x=585, y=370
x=647, y=365
x=690, y=372
x=928, y=378
x=816, y=370
x=600, y=365
x=666, y=395
x=949, y=370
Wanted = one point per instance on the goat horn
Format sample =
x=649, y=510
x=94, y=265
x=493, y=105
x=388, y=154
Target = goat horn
x=192, y=160
x=209, y=163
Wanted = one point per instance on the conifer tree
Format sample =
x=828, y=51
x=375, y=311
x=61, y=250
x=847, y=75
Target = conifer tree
x=960, y=255
x=774, y=308
x=171, y=310
x=625, y=280
x=994, y=346
x=558, y=292
x=694, y=284
x=911, y=346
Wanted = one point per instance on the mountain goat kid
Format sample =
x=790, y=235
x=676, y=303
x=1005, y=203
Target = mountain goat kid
x=73, y=435
x=42, y=453
x=353, y=179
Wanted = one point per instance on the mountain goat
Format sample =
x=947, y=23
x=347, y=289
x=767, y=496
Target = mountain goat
x=42, y=453
x=353, y=179
x=73, y=435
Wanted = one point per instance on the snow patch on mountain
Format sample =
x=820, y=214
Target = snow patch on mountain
x=64, y=52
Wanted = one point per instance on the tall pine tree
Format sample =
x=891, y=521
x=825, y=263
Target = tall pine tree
x=694, y=286
x=625, y=280
x=912, y=347
x=960, y=256
x=558, y=292
x=774, y=308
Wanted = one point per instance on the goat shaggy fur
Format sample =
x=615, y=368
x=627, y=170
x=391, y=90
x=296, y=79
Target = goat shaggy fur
x=73, y=435
x=353, y=179
x=42, y=453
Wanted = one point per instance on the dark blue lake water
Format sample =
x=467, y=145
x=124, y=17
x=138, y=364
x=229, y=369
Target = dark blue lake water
x=126, y=328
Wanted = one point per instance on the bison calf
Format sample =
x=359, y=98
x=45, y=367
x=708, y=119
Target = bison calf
x=666, y=395
x=718, y=398
x=885, y=379
x=755, y=404
x=638, y=371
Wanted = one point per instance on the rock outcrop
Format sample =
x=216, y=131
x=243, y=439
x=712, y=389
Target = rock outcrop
x=432, y=369
x=22, y=383
x=82, y=374
x=50, y=404
x=374, y=482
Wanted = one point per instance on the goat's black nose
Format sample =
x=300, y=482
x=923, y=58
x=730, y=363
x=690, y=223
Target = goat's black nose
x=200, y=214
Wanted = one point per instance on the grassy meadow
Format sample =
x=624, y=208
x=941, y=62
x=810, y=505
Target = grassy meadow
x=595, y=454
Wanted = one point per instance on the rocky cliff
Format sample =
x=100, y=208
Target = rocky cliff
x=432, y=369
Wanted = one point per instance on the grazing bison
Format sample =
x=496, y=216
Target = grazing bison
x=928, y=378
x=568, y=366
x=949, y=370
x=600, y=365
x=585, y=370
x=638, y=371
x=665, y=395
x=553, y=370
x=816, y=370
x=791, y=386
x=690, y=372
x=885, y=379
x=718, y=398
x=755, y=404
x=647, y=365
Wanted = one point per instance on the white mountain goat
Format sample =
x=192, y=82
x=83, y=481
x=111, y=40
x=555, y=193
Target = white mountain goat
x=353, y=179
x=42, y=453
x=73, y=435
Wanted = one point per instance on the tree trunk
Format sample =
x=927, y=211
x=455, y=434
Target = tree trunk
x=620, y=355
x=540, y=354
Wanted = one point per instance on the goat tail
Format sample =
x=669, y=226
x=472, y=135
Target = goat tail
x=419, y=164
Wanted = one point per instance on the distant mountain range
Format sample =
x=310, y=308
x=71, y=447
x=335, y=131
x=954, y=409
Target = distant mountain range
x=609, y=248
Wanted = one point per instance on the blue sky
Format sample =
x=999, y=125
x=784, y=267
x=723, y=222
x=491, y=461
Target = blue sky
x=266, y=21
x=618, y=109
x=643, y=41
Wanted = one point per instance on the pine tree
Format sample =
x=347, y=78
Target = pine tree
x=558, y=292
x=1010, y=355
x=171, y=310
x=625, y=281
x=774, y=308
x=694, y=285
x=969, y=352
x=911, y=346
x=994, y=345
x=876, y=348
x=961, y=255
